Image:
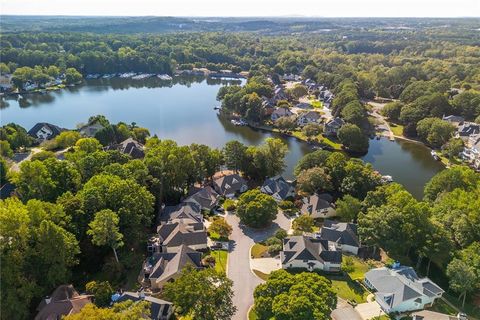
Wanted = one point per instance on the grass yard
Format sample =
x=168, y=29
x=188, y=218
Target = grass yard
x=252, y=315
x=360, y=268
x=220, y=260
x=443, y=307
x=258, y=250
x=332, y=143
x=261, y=275
x=349, y=290
x=316, y=104
x=397, y=129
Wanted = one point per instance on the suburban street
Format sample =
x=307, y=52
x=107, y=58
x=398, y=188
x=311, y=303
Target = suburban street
x=238, y=270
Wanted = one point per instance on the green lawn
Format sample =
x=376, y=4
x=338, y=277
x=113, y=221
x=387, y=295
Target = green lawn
x=349, y=290
x=397, y=129
x=361, y=267
x=252, y=315
x=442, y=307
x=258, y=250
x=220, y=260
x=316, y=103
x=334, y=144
x=261, y=275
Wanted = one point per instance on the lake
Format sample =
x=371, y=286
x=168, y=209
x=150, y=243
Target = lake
x=182, y=110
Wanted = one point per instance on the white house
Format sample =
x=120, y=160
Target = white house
x=44, y=131
x=308, y=117
x=343, y=235
x=311, y=254
x=401, y=290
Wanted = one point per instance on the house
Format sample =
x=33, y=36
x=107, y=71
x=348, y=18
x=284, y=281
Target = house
x=471, y=152
x=311, y=254
x=129, y=146
x=432, y=315
x=28, y=86
x=44, y=131
x=455, y=120
x=279, y=188
x=332, y=126
x=468, y=129
x=178, y=233
x=308, y=117
x=319, y=206
x=268, y=106
x=278, y=94
x=206, y=198
x=343, y=235
x=229, y=185
x=64, y=301
x=280, y=113
x=186, y=211
x=89, y=130
x=6, y=82
x=304, y=105
x=291, y=77
x=400, y=289
x=166, y=266
x=159, y=309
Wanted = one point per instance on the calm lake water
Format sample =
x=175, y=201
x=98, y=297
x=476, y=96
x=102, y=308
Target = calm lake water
x=182, y=110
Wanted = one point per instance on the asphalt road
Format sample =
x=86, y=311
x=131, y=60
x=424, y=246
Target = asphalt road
x=244, y=281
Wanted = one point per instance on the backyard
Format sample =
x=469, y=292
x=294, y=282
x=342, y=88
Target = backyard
x=221, y=257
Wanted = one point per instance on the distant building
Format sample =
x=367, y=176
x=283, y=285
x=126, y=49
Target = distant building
x=311, y=254
x=206, y=198
x=159, y=309
x=280, y=113
x=230, y=185
x=89, y=130
x=468, y=129
x=342, y=234
x=308, y=117
x=455, y=120
x=319, y=206
x=64, y=301
x=129, y=146
x=279, y=188
x=6, y=82
x=190, y=212
x=332, y=126
x=401, y=290
x=44, y=131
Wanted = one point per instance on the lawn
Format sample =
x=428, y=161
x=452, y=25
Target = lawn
x=332, y=143
x=349, y=290
x=261, y=275
x=360, y=268
x=258, y=250
x=220, y=260
x=397, y=129
x=316, y=104
x=443, y=307
x=252, y=315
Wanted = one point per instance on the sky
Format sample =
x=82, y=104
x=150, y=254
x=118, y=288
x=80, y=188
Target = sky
x=242, y=8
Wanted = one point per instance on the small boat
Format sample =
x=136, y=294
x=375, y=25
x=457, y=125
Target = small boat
x=217, y=108
x=434, y=155
x=387, y=179
x=165, y=77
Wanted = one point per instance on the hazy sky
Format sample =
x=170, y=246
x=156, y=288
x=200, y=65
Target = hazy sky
x=317, y=8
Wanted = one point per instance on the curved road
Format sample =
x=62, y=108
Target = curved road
x=238, y=270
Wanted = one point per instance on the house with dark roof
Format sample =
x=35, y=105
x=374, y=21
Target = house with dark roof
x=310, y=253
x=159, y=309
x=332, y=126
x=166, y=266
x=89, y=130
x=44, y=131
x=230, y=185
x=207, y=198
x=400, y=289
x=468, y=129
x=181, y=232
x=280, y=113
x=129, y=146
x=308, y=117
x=64, y=301
x=279, y=188
x=342, y=234
x=455, y=120
x=187, y=211
x=319, y=206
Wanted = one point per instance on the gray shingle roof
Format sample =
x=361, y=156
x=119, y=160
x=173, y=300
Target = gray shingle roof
x=55, y=129
x=206, y=197
x=180, y=233
x=277, y=185
x=340, y=232
x=130, y=147
x=228, y=184
x=184, y=210
x=158, y=308
x=168, y=264
x=304, y=248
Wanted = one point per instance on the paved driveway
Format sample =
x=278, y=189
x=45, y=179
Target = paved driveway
x=344, y=311
x=244, y=281
x=265, y=265
x=369, y=310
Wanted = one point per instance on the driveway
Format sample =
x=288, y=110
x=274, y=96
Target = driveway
x=265, y=265
x=369, y=310
x=238, y=270
x=344, y=311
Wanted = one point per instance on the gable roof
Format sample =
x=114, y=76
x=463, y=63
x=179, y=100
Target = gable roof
x=468, y=129
x=311, y=115
x=340, y=232
x=282, y=112
x=64, y=300
x=229, y=184
x=37, y=127
x=316, y=203
x=452, y=118
x=277, y=186
x=394, y=286
x=158, y=308
x=181, y=233
x=129, y=146
x=183, y=211
x=335, y=123
x=305, y=248
x=206, y=197
x=168, y=264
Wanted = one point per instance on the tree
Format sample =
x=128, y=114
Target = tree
x=447, y=180
x=72, y=76
x=303, y=296
x=104, y=230
x=358, y=178
x=286, y=123
x=234, y=154
x=269, y=157
x=298, y=91
x=453, y=147
x=220, y=227
x=67, y=139
x=354, y=112
x=5, y=150
x=314, y=180
x=119, y=311
x=102, y=292
x=312, y=130
x=392, y=110
x=348, y=207
x=310, y=160
x=352, y=138
x=304, y=223
x=434, y=131
x=34, y=181
x=87, y=145
x=256, y=209
x=462, y=278
x=201, y=294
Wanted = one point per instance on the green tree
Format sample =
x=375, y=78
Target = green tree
x=102, y=292
x=310, y=160
x=201, y=294
x=434, y=131
x=5, y=150
x=348, y=207
x=303, y=223
x=105, y=232
x=354, y=112
x=72, y=76
x=256, y=209
x=67, y=139
x=234, y=154
x=221, y=227
x=453, y=147
x=448, y=180
x=119, y=311
x=392, y=110
x=314, y=180
x=312, y=130
x=462, y=278
x=352, y=138
x=34, y=181
x=87, y=145
x=286, y=123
